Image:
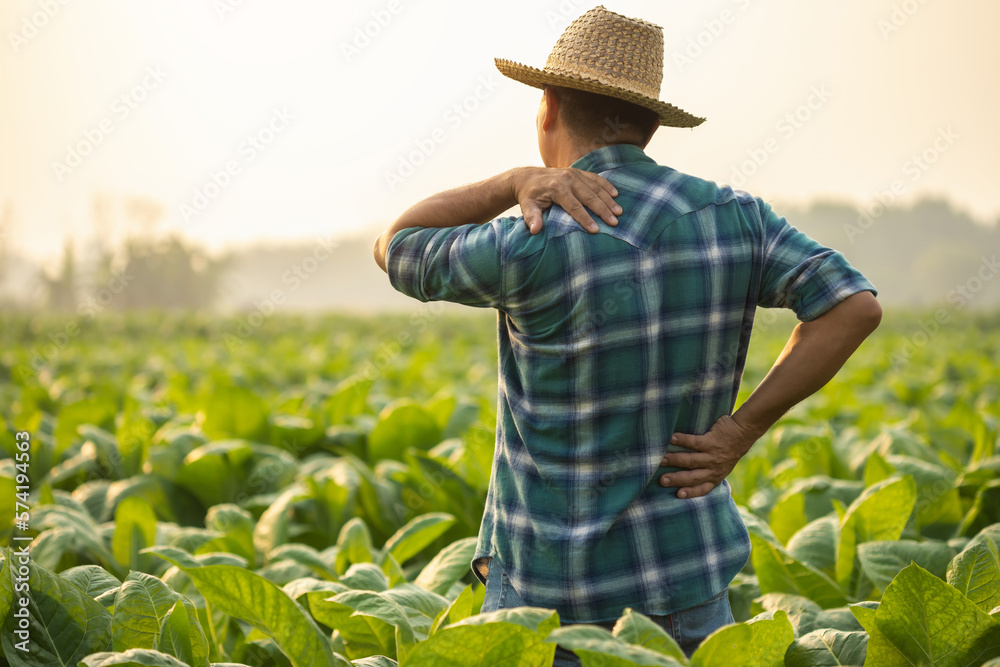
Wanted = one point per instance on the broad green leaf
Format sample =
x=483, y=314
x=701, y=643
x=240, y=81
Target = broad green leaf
x=877, y=469
x=636, y=628
x=272, y=528
x=141, y=604
x=363, y=635
x=412, y=538
x=347, y=400
x=235, y=523
x=375, y=661
x=595, y=645
x=743, y=590
x=135, y=529
x=448, y=566
x=393, y=571
x=86, y=534
x=176, y=637
x=777, y=572
x=880, y=652
x=64, y=624
x=827, y=648
x=816, y=544
x=365, y=576
x=424, y=603
x=249, y=597
x=809, y=499
x=235, y=412
x=508, y=637
x=975, y=572
x=756, y=643
x=312, y=590
x=132, y=437
x=382, y=607
x=49, y=549
x=788, y=516
x=307, y=556
x=805, y=615
x=985, y=509
x=882, y=560
x=931, y=622
x=440, y=407
x=536, y=619
x=757, y=526
x=93, y=580
x=213, y=471
x=880, y=513
x=801, y=610
x=135, y=657
x=96, y=411
x=401, y=425
x=354, y=545
x=937, y=498
x=459, y=609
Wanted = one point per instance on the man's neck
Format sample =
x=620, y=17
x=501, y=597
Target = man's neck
x=569, y=153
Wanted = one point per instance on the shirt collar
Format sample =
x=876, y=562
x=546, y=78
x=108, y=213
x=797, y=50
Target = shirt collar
x=610, y=157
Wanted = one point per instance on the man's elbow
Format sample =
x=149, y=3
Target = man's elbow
x=868, y=311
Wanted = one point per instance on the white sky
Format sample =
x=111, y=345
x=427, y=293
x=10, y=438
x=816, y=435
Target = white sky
x=354, y=117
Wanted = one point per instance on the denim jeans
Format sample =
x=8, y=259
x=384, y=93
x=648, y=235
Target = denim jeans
x=688, y=627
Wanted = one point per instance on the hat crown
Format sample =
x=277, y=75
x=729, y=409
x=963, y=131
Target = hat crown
x=613, y=50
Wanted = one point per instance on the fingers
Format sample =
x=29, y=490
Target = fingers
x=695, y=442
x=696, y=491
x=574, y=190
x=684, y=460
x=598, y=195
x=688, y=478
x=576, y=209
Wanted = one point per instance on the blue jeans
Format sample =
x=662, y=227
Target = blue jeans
x=688, y=627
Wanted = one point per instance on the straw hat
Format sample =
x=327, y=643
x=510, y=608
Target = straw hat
x=609, y=54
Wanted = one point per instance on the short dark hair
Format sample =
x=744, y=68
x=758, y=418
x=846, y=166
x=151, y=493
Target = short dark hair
x=590, y=117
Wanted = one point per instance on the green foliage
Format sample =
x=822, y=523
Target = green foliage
x=312, y=496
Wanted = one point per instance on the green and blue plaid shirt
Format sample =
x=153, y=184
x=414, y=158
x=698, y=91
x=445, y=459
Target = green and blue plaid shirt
x=610, y=343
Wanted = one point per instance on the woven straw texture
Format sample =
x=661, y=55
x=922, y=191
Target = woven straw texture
x=609, y=54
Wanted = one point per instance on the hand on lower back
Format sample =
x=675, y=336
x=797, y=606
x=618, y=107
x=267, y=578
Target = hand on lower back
x=711, y=458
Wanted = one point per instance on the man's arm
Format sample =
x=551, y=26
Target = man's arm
x=534, y=188
x=814, y=353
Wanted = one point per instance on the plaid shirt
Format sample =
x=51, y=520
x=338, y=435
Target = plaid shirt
x=610, y=343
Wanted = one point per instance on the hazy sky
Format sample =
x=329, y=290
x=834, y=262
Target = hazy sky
x=301, y=116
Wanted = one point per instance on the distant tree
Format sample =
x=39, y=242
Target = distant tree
x=148, y=271
x=165, y=274
x=61, y=289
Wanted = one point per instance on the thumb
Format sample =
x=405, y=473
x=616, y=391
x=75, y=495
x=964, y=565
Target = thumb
x=532, y=216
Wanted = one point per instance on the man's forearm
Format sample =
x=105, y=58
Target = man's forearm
x=535, y=189
x=815, y=352
x=470, y=204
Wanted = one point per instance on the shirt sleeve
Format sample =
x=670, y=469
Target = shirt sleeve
x=459, y=264
x=801, y=274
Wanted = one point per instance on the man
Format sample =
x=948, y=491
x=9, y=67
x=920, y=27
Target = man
x=622, y=345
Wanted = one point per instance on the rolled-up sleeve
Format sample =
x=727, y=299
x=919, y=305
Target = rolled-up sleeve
x=459, y=264
x=801, y=274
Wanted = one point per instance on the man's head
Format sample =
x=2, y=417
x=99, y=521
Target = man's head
x=572, y=123
x=602, y=86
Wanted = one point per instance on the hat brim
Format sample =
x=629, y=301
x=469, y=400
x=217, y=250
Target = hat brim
x=669, y=115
